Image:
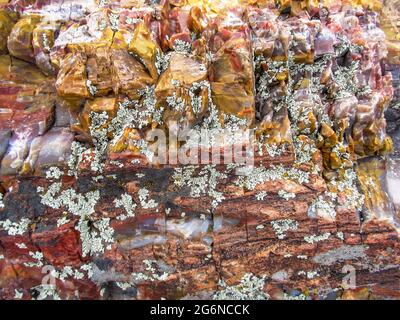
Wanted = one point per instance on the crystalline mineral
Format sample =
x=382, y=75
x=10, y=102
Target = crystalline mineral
x=122, y=124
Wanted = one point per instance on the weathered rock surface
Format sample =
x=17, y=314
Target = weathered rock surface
x=87, y=213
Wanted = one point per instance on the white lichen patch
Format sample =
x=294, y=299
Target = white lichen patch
x=302, y=257
x=261, y=195
x=304, y=150
x=77, y=204
x=15, y=228
x=92, y=88
x=89, y=269
x=127, y=203
x=282, y=226
x=274, y=150
x=103, y=3
x=38, y=256
x=296, y=297
x=182, y=46
x=162, y=61
x=309, y=274
x=253, y=176
x=176, y=103
x=114, y=21
x=54, y=173
x=197, y=100
x=95, y=238
x=130, y=20
x=67, y=272
x=117, y=163
x=46, y=42
x=286, y=195
x=131, y=114
x=99, y=134
x=150, y=273
x=204, y=182
x=348, y=185
x=312, y=274
x=96, y=235
x=324, y=206
x=76, y=157
x=145, y=202
x=46, y=291
x=62, y=221
x=317, y=238
x=250, y=288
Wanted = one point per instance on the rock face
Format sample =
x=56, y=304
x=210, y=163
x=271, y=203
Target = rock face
x=122, y=129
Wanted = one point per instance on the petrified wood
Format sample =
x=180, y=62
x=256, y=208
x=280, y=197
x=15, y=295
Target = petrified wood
x=92, y=208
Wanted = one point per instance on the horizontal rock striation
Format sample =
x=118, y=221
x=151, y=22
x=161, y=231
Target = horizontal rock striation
x=92, y=206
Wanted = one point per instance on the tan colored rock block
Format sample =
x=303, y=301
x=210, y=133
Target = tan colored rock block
x=19, y=42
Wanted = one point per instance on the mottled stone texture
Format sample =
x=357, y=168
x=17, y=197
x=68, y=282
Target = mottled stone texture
x=86, y=214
